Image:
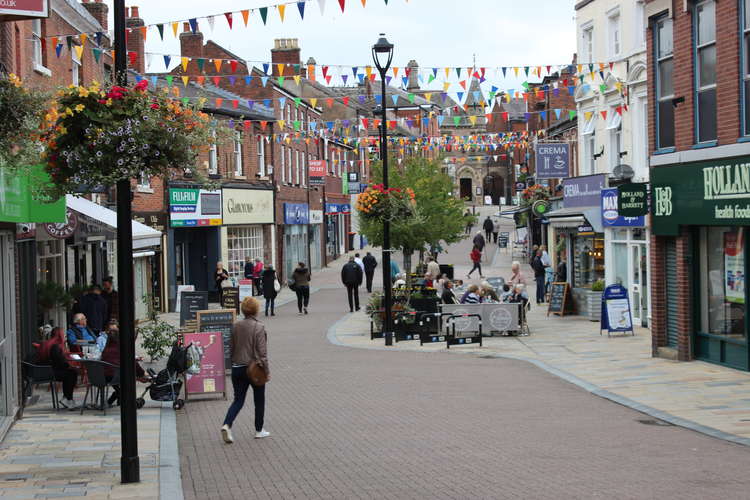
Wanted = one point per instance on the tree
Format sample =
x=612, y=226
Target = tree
x=439, y=215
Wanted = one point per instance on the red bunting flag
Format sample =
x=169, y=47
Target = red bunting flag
x=328, y=79
x=235, y=103
x=233, y=64
x=201, y=79
x=246, y=124
x=216, y=80
x=346, y=100
x=604, y=114
x=325, y=71
x=133, y=57
x=365, y=122
x=263, y=125
x=342, y=3
x=505, y=115
x=228, y=15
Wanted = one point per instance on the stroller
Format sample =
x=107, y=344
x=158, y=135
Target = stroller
x=166, y=385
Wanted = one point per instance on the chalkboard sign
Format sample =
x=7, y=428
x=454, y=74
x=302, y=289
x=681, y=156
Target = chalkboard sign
x=558, y=299
x=502, y=240
x=218, y=321
x=616, y=316
x=190, y=304
x=230, y=299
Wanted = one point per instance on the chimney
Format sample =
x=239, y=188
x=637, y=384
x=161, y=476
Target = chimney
x=99, y=11
x=413, y=83
x=191, y=44
x=136, y=43
x=286, y=51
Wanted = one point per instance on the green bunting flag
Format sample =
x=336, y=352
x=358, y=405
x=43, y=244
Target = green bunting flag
x=297, y=100
x=572, y=114
x=169, y=80
x=456, y=120
x=264, y=14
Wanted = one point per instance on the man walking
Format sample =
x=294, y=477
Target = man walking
x=351, y=277
x=109, y=294
x=370, y=265
x=488, y=226
x=495, y=229
x=539, y=273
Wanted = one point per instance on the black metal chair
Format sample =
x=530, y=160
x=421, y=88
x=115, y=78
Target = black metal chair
x=98, y=380
x=34, y=374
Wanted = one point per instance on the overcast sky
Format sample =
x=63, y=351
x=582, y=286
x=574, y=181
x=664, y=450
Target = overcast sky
x=433, y=32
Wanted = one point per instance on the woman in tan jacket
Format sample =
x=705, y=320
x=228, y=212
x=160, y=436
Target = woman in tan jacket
x=247, y=344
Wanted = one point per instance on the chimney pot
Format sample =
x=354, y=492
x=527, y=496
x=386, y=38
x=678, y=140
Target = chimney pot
x=127, y=11
x=186, y=27
x=134, y=12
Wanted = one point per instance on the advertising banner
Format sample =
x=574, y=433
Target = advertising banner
x=296, y=213
x=583, y=191
x=734, y=266
x=247, y=206
x=552, y=160
x=317, y=171
x=189, y=207
x=610, y=214
x=211, y=378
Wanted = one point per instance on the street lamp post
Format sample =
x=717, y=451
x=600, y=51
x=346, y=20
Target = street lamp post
x=382, y=54
x=129, y=463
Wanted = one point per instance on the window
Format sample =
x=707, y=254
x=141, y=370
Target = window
x=705, y=76
x=664, y=68
x=37, y=56
x=614, y=34
x=75, y=69
x=289, y=165
x=242, y=242
x=296, y=167
x=614, y=125
x=589, y=144
x=213, y=156
x=745, y=23
x=260, y=145
x=587, y=44
x=238, y=171
x=144, y=182
x=283, y=164
x=639, y=40
x=288, y=114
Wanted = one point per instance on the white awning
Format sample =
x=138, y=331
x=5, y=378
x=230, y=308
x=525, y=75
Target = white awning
x=143, y=236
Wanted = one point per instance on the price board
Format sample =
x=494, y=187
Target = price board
x=190, y=303
x=558, y=299
x=230, y=298
x=218, y=321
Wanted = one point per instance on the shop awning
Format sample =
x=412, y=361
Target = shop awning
x=573, y=216
x=515, y=211
x=143, y=236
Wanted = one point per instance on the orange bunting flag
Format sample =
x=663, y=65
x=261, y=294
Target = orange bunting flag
x=246, y=124
x=488, y=116
x=201, y=79
x=364, y=2
x=368, y=71
x=219, y=100
x=83, y=36
x=311, y=72
x=144, y=30
x=280, y=66
x=245, y=15
x=263, y=124
x=329, y=102
x=395, y=72
x=463, y=84
x=217, y=63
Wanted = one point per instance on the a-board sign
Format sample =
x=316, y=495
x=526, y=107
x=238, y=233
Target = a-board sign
x=212, y=378
x=616, y=316
x=180, y=289
x=218, y=321
x=230, y=298
x=558, y=299
x=245, y=289
x=190, y=304
x=502, y=239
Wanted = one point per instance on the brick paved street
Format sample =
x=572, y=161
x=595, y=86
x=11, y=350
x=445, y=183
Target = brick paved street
x=351, y=423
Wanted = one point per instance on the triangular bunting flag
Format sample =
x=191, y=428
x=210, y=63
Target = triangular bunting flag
x=342, y=3
x=185, y=80
x=322, y=5
x=217, y=64
x=263, y=14
x=175, y=25
x=228, y=15
x=282, y=10
x=245, y=15
x=167, y=60
x=301, y=7
x=184, y=63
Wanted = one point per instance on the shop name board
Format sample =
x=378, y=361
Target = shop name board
x=340, y=208
x=632, y=199
x=296, y=213
x=191, y=207
x=247, y=206
x=552, y=160
x=611, y=216
x=23, y=9
x=583, y=191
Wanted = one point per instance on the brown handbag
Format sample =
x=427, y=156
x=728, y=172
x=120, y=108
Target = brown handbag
x=257, y=374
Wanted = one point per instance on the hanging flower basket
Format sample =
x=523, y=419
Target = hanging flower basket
x=535, y=193
x=99, y=137
x=21, y=110
x=380, y=203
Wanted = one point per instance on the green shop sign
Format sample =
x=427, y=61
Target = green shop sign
x=17, y=203
x=715, y=193
x=632, y=200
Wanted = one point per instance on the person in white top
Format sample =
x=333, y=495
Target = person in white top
x=433, y=268
x=359, y=262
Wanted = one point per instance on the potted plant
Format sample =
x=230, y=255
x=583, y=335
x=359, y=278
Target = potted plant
x=51, y=295
x=594, y=300
x=156, y=338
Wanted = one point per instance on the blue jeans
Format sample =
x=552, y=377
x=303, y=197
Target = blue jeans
x=241, y=383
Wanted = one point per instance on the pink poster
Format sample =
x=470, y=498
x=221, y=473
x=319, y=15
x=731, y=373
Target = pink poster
x=211, y=378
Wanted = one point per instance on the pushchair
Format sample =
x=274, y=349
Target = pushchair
x=166, y=385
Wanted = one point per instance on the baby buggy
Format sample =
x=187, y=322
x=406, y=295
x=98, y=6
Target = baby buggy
x=166, y=385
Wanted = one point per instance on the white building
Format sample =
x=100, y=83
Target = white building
x=613, y=129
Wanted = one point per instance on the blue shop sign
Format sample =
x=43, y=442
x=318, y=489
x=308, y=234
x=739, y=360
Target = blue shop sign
x=610, y=215
x=296, y=213
x=338, y=208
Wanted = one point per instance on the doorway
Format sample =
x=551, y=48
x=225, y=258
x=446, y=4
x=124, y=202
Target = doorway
x=8, y=354
x=465, y=189
x=639, y=283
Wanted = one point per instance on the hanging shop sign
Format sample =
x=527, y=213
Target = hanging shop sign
x=247, y=206
x=715, y=193
x=16, y=10
x=632, y=199
x=317, y=171
x=610, y=213
x=586, y=230
x=17, y=203
x=191, y=207
x=63, y=230
x=520, y=186
x=316, y=216
x=540, y=208
x=353, y=178
x=296, y=213
x=583, y=191
x=552, y=160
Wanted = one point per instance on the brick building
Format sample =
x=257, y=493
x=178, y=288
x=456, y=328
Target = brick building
x=699, y=129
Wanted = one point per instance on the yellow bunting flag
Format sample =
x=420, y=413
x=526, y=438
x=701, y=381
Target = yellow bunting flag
x=185, y=61
x=79, y=51
x=447, y=72
x=185, y=80
x=473, y=119
x=587, y=115
x=281, y=8
x=281, y=68
x=296, y=79
x=368, y=71
x=282, y=123
x=446, y=86
x=515, y=70
x=175, y=25
x=428, y=96
x=314, y=101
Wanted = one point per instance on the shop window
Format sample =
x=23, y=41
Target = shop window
x=664, y=47
x=722, y=263
x=705, y=78
x=243, y=242
x=588, y=263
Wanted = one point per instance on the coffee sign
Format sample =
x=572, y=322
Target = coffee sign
x=65, y=229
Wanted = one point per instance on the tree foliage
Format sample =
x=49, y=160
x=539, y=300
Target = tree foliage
x=439, y=215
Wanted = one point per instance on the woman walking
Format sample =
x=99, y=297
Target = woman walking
x=269, y=281
x=301, y=277
x=476, y=258
x=248, y=345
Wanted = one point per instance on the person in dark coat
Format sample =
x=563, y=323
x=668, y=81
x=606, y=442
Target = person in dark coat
x=109, y=294
x=488, y=227
x=111, y=355
x=268, y=278
x=539, y=273
x=449, y=297
x=249, y=268
x=301, y=277
x=370, y=265
x=479, y=241
x=94, y=307
x=351, y=277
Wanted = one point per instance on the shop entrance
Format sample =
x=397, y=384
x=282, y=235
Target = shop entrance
x=639, y=284
x=465, y=189
x=8, y=355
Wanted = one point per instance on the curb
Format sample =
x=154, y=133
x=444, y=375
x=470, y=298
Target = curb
x=170, y=478
x=587, y=386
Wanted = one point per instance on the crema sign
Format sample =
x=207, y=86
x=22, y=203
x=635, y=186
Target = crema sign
x=247, y=206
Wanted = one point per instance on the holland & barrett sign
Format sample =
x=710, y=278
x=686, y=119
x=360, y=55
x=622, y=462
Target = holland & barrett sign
x=715, y=193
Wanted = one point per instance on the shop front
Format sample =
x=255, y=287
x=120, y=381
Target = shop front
x=626, y=254
x=247, y=217
x=337, y=233
x=315, y=238
x=194, y=239
x=153, y=273
x=295, y=249
x=700, y=219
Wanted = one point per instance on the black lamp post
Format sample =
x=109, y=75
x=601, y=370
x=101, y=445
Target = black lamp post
x=382, y=54
x=129, y=463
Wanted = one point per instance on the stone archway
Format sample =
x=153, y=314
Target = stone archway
x=468, y=181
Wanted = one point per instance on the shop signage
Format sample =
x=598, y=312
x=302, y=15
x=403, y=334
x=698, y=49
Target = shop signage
x=734, y=266
x=15, y=10
x=316, y=216
x=296, y=213
x=212, y=378
x=715, y=193
x=530, y=181
x=218, y=321
x=632, y=199
x=245, y=288
x=317, y=172
x=353, y=178
x=190, y=207
x=338, y=208
x=247, y=206
x=585, y=230
x=610, y=214
x=616, y=316
x=520, y=186
x=157, y=221
x=63, y=230
x=552, y=160
x=583, y=191
x=540, y=208
x=190, y=303
x=17, y=203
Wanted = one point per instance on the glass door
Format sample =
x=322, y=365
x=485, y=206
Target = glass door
x=638, y=284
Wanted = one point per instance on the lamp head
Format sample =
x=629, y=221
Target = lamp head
x=382, y=53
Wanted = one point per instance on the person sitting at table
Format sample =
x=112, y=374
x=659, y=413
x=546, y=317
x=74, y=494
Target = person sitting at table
x=54, y=352
x=471, y=296
x=519, y=295
x=489, y=294
x=111, y=355
x=448, y=296
x=79, y=332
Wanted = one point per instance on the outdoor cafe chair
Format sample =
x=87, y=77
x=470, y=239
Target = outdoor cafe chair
x=34, y=374
x=98, y=380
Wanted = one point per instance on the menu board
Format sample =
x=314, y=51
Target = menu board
x=616, y=316
x=218, y=321
x=211, y=378
x=558, y=299
x=190, y=304
x=230, y=298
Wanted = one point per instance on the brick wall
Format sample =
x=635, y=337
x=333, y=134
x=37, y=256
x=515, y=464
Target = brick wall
x=658, y=294
x=684, y=296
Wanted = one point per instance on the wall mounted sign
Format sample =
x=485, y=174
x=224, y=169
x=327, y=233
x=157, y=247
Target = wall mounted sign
x=15, y=10
x=191, y=207
x=552, y=160
x=317, y=171
x=247, y=206
x=316, y=216
x=632, y=199
x=296, y=213
x=583, y=191
x=610, y=214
